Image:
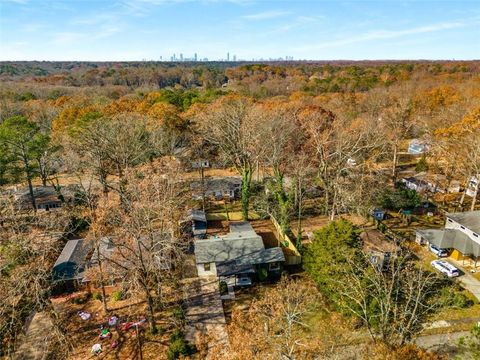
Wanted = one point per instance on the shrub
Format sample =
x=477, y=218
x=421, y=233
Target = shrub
x=97, y=296
x=116, y=295
x=223, y=288
x=178, y=346
x=422, y=164
x=178, y=313
x=262, y=274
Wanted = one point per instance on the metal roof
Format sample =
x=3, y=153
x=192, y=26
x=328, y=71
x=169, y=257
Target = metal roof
x=469, y=219
x=451, y=238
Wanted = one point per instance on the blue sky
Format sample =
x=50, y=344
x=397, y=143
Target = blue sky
x=148, y=29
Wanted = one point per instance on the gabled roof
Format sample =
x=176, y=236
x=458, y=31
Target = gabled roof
x=451, y=238
x=469, y=219
x=72, y=260
x=226, y=248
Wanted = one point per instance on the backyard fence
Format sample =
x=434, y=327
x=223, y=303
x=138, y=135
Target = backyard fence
x=292, y=255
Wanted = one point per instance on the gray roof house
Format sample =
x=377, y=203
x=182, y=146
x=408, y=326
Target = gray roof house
x=72, y=262
x=197, y=223
x=47, y=198
x=461, y=232
x=238, y=254
x=227, y=187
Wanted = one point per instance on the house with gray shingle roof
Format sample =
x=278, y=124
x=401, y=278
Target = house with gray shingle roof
x=239, y=254
x=71, y=264
x=461, y=233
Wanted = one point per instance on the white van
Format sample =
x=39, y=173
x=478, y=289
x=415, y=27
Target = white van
x=445, y=268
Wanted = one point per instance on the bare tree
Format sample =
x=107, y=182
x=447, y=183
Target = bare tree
x=148, y=249
x=392, y=302
x=228, y=125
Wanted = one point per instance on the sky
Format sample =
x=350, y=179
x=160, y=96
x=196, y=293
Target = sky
x=133, y=30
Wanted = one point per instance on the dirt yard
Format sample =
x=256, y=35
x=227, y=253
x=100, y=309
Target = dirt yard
x=84, y=333
x=264, y=228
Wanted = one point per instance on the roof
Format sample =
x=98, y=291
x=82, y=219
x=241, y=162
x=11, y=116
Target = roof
x=374, y=240
x=225, y=183
x=44, y=195
x=451, y=238
x=196, y=215
x=228, y=268
x=241, y=227
x=72, y=260
x=106, y=248
x=225, y=248
x=469, y=219
x=415, y=180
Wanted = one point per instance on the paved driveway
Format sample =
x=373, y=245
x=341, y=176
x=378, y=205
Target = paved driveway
x=204, y=313
x=467, y=280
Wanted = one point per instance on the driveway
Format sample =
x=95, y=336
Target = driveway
x=204, y=314
x=467, y=280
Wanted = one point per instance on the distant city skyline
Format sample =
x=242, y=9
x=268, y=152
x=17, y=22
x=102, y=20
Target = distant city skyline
x=234, y=30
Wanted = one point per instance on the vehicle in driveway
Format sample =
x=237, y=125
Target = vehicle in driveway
x=445, y=268
x=437, y=251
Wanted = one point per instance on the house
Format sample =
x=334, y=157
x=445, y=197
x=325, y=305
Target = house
x=378, y=249
x=47, y=198
x=195, y=224
x=218, y=188
x=417, y=147
x=461, y=233
x=423, y=182
x=69, y=269
x=238, y=256
x=416, y=184
x=200, y=164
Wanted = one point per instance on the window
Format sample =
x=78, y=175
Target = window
x=274, y=266
x=476, y=235
x=206, y=266
x=449, y=220
x=462, y=227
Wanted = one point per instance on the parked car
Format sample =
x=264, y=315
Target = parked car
x=437, y=251
x=445, y=268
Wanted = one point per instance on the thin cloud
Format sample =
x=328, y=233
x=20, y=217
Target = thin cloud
x=266, y=15
x=388, y=34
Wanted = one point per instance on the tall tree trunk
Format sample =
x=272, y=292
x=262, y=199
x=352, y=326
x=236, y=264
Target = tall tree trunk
x=474, y=199
x=299, y=220
x=202, y=177
x=102, y=283
x=246, y=188
x=282, y=200
x=151, y=320
x=29, y=174
x=394, y=163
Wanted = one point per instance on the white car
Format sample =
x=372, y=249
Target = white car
x=445, y=268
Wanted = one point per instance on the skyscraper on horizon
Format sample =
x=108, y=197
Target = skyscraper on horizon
x=228, y=56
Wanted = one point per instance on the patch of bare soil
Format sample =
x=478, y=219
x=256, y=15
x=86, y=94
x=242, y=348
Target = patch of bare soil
x=83, y=334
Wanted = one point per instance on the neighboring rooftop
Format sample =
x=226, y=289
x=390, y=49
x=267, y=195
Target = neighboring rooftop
x=71, y=263
x=469, y=219
x=374, y=240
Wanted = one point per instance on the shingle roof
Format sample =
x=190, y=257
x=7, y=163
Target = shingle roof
x=226, y=248
x=71, y=262
x=469, y=219
x=196, y=215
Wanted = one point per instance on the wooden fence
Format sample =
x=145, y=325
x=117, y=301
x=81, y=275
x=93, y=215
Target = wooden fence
x=292, y=255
